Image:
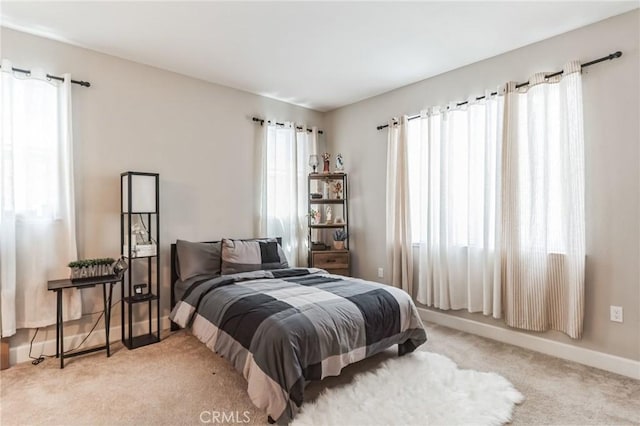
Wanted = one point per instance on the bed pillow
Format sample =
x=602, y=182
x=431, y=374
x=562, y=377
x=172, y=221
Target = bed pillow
x=198, y=259
x=251, y=255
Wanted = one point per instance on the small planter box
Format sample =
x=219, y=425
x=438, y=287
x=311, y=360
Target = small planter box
x=91, y=271
x=91, y=268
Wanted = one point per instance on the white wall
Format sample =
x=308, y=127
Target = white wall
x=611, y=113
x=199, y=136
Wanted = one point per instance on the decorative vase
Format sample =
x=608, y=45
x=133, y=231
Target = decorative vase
x=313, y=162
x=338, y=245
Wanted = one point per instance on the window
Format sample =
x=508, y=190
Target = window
x=452, y=176
x=30, y=156
x=455, y=165
x=542, y=196
x=496, y=204
x=37, y=217
x=285, y=212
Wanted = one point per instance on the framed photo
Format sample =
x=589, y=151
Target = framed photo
x=138, y=290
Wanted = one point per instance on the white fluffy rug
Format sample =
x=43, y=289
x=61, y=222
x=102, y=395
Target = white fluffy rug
x=421, y=388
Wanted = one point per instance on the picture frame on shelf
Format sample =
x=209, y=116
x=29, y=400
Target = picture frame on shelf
x=138, y=290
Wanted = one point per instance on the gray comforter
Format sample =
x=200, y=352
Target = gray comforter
x=283, y=328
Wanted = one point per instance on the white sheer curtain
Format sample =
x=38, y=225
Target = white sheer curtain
x=307, y=144
x=285, y=155
x=543, y=228
x=37, y=219
x=454, y=168
x=398, y=220
x=497, y=204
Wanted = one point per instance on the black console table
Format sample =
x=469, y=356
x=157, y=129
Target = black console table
x=58, y=286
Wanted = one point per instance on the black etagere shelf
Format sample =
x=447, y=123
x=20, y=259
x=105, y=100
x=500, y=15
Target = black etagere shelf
x=140, y=205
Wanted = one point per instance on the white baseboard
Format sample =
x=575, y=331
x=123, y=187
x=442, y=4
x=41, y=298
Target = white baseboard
x=21, y=353
x=615, y=364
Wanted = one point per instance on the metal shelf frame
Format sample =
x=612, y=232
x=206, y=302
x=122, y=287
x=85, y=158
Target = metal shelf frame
x=343, y=201
x=136, y=263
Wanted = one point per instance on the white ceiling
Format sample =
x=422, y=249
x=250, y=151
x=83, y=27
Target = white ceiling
x=315, y=54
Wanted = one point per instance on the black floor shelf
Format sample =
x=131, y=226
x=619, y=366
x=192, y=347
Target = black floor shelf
x=145, y=298
x=142, y=340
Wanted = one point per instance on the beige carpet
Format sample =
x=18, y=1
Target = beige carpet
x=173, y=382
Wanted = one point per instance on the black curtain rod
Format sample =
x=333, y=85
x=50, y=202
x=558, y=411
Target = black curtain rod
x=261, y=121
x=54, y=77
x=526, y=83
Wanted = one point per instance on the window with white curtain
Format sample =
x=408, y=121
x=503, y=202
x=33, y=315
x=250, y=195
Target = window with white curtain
x=496, y=203
x=34, y=150
x=281, y=184
x=453, y=176
x=452, y=170
x=540, y=157
x=284, y=211
x=453, y=148
x=37, y=217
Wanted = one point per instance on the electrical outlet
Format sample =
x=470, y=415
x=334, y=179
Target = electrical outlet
x=616, y=313
x=380, y=273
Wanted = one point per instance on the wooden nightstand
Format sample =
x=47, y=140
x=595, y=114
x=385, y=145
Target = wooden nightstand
x=333, y=261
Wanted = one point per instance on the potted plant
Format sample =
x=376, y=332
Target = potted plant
x=339, y=236
x=315, y=216
x=91, y=267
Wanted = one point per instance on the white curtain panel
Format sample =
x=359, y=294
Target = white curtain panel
x=260, y=224
x=284, y=201
x=311, y=145
x=455, y=159
x=543, y=226
x=306, y=144
x=398, y=220
x=37, y=219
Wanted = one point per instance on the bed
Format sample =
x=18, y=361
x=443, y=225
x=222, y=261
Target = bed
x=282, y=327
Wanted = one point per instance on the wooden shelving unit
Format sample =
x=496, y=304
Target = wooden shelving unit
x=332, y=260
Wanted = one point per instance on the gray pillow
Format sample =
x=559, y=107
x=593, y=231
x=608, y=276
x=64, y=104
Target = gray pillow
x=245, y=256
x=198, y=259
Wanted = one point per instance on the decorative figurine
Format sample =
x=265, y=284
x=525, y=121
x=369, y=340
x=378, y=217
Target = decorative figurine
x=337, y=189
x=325, y=157
x=328, y=215
x=339, y=164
